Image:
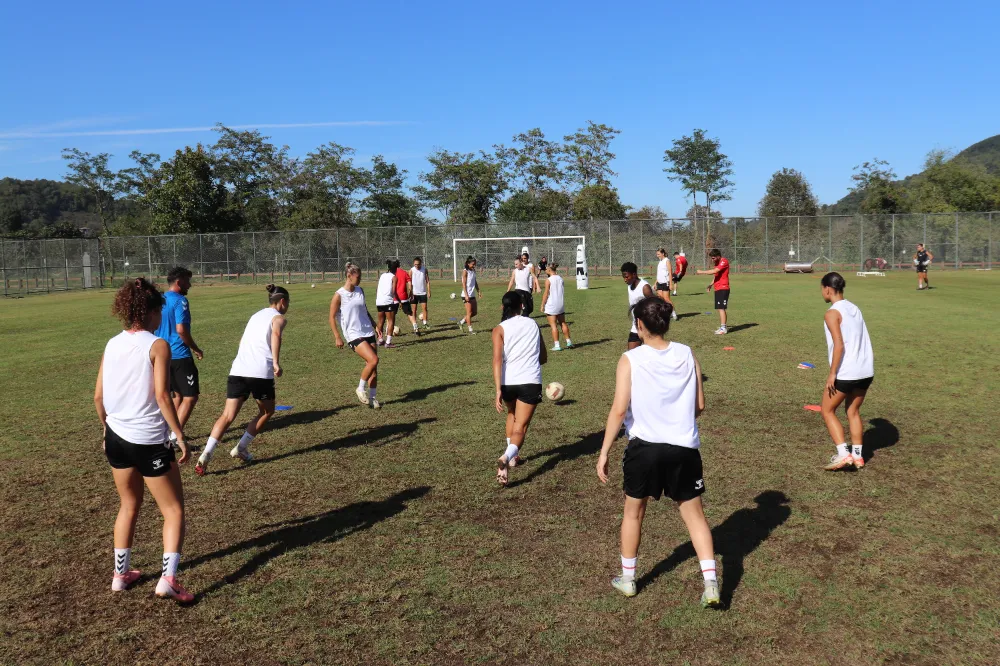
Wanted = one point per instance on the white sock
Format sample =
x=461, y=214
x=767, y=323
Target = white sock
x=842, y=450
x=123, y=560
x=708, y=569
x=628, y=567
x=568, y=342
x=170, y=562
x=508, y=441
x=511, y=451
x=556, y=346
x=462, y=321
x=423, y=321
x=414, y=326
x=362, y=384
x=210, y=446
x=245, y=441
x=857, y=450
x=371, y=393
x=388, y=339
x=470, y=328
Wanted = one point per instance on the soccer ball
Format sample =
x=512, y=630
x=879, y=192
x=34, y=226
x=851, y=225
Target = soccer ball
x=314, y=286
x=555, y=391
x=395, y=330
x=453, y=295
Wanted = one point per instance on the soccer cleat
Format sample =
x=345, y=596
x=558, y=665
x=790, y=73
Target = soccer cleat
x=569, y=345
x=202, y=465
x=426, y=325
x=389, y=345
x=624, y=585
x=374, y=404
x=362, y=395
x=169, y=588
x=673, y=315
x=381, y=342
x=859, y=461
x=121, y=582
x=838, y=461
x=243, y=455
x=720, y=331
x=710, y=598
x=557, y=348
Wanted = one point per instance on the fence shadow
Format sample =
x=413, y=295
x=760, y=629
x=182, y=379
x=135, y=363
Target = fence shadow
x=290, y=535
x=735, y=538
x=587, y=445
x=377, y=435
x=881, y=435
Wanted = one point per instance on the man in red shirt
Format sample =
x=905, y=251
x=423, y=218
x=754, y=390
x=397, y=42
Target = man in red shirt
x=680, y=268
x=721, y=284
x=404, y=289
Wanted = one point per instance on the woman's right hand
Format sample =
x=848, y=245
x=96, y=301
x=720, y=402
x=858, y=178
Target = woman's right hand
x=182, y=445
x=339, y=342
x=499, y=403
x=602, y=467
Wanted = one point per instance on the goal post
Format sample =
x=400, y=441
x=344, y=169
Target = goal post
x=579, y=252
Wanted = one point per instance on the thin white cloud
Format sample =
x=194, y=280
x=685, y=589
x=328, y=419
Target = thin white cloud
x=34, y=134
x=71, y=123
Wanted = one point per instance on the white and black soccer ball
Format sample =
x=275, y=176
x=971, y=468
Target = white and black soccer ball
x=555, y=391
x=453, y=295
x=395, y=330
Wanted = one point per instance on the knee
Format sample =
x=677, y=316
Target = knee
x=519, y=429
x=131, y=505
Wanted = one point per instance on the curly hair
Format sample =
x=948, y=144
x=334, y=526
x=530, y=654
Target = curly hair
x=135, y=300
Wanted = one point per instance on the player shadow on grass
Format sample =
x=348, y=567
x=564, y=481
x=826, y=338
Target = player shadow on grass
x=577, y=345
x=290, y=535
x=881, y=435
x=377, y=435
x=301, y=418
x=423, y=393
x=687, y=314
x=740, y=327
x=586, y=446
x=426, y=339
x=735, y=538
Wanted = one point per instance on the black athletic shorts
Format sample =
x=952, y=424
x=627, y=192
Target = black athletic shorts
x=634, y=337
x=529, y=301
x=529, y=394
x=240, y=388
x=407, y=310
x=149, y=459
x=662, y=286
x=654, y=469
x=184, y=377
x=676, y=278
x=353, y=344
x=849, y=386
x=387, y=308
x=721, y=299
x=419, y=298
x=470, y=299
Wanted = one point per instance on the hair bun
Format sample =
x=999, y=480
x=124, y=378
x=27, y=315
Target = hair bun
x=270, y=288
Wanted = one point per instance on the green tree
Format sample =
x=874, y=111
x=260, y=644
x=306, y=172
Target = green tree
x=598, y=202
x=464, y=187
x=324, y=187
x=184, y=196
x=538, y=206
x=387, y=203
x=647, y=213
x=588, y=155
x=252, y=170
x=103, y=184
x=946, y=186
x=875, y=180
x=788, y=193
x=533, y=162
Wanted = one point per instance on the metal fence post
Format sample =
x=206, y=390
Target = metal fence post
x=641, y=247
x=3, y=266
x=201, y=257
x=736, y=253
x=228, y=273
x=989, y=245
x=957, y=262
x=175, y=249
x=861, y=265
x=829, y=256
x=798, y=238
x=66, y=262
x=925, y=228
x=609, y=249
x=310, y=256
x=367, y=258
x=340, y=265
x=893, y=255
x=124, y=260
x=425, y=244
x=767, y=250
x=253, y=245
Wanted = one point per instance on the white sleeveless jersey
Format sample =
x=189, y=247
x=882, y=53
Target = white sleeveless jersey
x=523, y=279
x=521, y=347
x=129, y=393
x=419, y=279
x=664, y=396
x=383, y=293
x=859, y=360
x=634, y=296
x=353, y=315
x=556, y=305
x=470, y=283
x=663, y=271
x=254, y=357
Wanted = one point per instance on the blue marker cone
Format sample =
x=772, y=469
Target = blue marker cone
x=283, y=408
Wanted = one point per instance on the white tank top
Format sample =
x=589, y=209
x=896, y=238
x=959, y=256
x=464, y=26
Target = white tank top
x=353, y=315
x=419, y=278
x=859, y=360
x=129, y=394
x=523, y=279
x=634, y=296
x=383, y=294
x=664, y=396
x=521, y=347
x=556, y=304
x=470, y=283
x=663, y=271
x=254, y=356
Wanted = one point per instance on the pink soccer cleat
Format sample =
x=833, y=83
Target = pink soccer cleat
x=169, y=588
x=121, y=582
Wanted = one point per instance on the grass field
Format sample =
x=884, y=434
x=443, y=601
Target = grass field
x=381, y=537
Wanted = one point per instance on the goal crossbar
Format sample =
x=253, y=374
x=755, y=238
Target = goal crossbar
x=456, y=241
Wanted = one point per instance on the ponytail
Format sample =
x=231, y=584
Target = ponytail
x=513, y=305
x=277, y=294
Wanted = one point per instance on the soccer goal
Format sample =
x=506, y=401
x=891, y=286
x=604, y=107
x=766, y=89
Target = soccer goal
x=495, y=256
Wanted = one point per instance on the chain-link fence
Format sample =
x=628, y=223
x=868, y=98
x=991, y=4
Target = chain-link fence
x=957, y=240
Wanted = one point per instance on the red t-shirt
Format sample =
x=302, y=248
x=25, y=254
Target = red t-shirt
x=402, y=277
x=682, y=265
x=721, y=280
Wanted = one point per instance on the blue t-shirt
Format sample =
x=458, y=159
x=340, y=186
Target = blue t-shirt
x=175, y=311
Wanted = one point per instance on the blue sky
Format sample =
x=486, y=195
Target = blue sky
x=818, y=87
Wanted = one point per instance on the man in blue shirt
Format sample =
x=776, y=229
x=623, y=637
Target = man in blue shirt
x=175, y=328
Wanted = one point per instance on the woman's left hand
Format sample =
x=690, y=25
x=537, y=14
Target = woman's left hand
x=602, y=467
x=499, y=403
